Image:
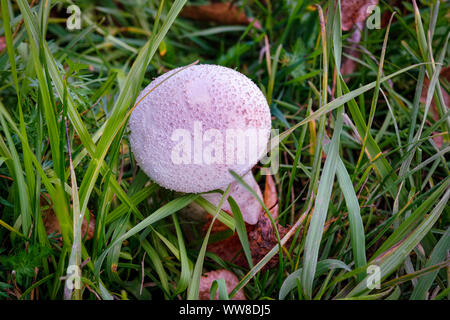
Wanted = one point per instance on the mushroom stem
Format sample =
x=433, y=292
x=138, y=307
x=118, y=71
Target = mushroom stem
x=250, y=207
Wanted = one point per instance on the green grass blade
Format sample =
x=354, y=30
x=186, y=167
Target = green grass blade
x=165, y=211
x=438, y=255
x=194, y=286
x=315, y=230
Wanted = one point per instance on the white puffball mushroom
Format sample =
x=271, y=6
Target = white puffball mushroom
x=191, y=129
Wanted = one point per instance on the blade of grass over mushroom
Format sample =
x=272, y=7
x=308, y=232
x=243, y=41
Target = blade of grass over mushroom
x=165, y=211
x=194, y=286
x=220, y=285
x=186, y=271
x=267, y=211
x=223, y=217
x=125, y=100
x=241, y=229
x=260, y=264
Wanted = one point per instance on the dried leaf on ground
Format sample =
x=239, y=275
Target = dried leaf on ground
x=262, y=239
x=231, y=280
x=228, y=249
x=221, y=13
x=354, y=11
x=271, y=197
x=261, y=236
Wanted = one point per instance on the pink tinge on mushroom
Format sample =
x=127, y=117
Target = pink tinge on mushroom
x=250, y=208
x=231, y=280
x=180, y=131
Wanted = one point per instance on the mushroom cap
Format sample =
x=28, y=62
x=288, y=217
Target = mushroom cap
x=207, y=102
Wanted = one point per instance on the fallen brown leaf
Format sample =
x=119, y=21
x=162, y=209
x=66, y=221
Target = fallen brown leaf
x=228, y=249
x=221, y=13
x=262, y=239
x=354, y=11
x=261, y=236
x=231, y=280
